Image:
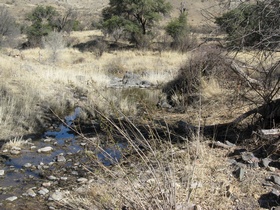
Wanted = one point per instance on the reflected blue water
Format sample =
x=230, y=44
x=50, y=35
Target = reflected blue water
x=64, y=141
x=111, y=155
x=64, y=132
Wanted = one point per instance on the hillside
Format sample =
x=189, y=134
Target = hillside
x=88, y=122
x=199, y=11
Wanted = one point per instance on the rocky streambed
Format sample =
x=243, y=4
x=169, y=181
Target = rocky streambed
x=39, y=174
x=41, y=168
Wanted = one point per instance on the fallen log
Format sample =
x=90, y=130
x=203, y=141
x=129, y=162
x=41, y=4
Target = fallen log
x=270, y=132
x=269, y=113
x=222, y=145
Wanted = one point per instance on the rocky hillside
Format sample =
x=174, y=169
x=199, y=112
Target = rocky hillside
x=199, y=11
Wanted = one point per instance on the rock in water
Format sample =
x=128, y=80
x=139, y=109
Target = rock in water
x=31, y=193
x=13, y=198
x=57, y=196
x=2, y=172
x=45, y=149
x=60, y=158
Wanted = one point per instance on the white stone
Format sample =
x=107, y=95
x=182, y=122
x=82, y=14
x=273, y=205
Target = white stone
x=46, y=167
x=63, y=178
x=82, y=180
x=60, y=158
x=13, y=198
x=51, y=177
x=46, y=184
x=27, y=165
x=47, y=140
x=45, y=149
x=2, y=172
x=31, y=193
x=15, y=152
x=75, y=173
x=43, y=191
x=56, y=196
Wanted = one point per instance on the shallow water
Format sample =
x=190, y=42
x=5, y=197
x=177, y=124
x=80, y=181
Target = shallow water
x=64, y=142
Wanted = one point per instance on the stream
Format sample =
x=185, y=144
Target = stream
x=30, y=168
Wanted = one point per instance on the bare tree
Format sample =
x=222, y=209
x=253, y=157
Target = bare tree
x=8, y=28
x=54, y=42
x=254, y=28
x=67, y=22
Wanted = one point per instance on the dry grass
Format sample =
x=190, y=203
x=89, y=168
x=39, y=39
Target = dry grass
x=160, y=177
x=31, y=80
x=210, y=89
x=167, y=176
x=15, y=142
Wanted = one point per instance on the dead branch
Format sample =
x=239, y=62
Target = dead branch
x=238, y=70
x=269, y=111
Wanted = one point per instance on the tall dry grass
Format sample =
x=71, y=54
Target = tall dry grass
x=163, y=175
x=31, y=80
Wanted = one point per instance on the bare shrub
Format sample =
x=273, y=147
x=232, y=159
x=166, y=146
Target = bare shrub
x=202, y=29
x=8, y=29
x=150, y=179
x=142, y=41
x=54, y=42
x=79, y=60
x=100, y=47
x=205, y=63
x=116, y=67
x=68, y=21
x=185, y=43
x=163, y=43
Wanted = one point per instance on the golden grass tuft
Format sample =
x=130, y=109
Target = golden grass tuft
x=210, y=89
x=15, y=142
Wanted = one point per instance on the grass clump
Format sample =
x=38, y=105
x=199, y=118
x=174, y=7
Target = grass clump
x=116, y=67
x=15, y=142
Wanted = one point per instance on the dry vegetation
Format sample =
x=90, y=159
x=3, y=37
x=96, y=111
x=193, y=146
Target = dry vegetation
x=165, y=175
x=31, y=81
x=187, y=175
